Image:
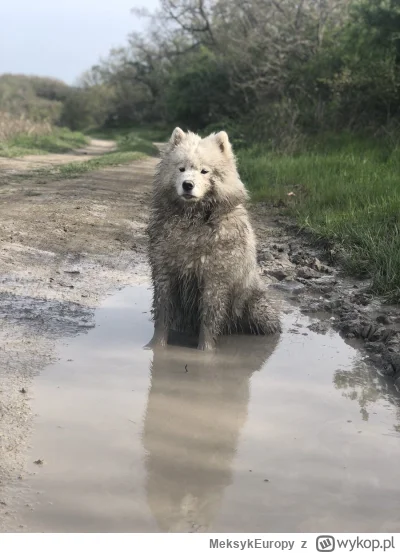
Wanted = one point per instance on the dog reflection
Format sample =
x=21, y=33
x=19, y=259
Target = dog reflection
x=196, y=409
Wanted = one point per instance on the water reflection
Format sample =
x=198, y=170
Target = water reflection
x=366, y=386
x=196, y=409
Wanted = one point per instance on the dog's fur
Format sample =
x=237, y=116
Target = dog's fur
x=202, y=246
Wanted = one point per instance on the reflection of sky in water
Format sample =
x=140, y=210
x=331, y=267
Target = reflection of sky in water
x=297, y=435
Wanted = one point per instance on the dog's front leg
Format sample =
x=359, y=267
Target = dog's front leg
x=160, y=313
x=214, y=306
x=206, y=339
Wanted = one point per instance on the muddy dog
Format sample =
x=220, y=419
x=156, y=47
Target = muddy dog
x=202, y=247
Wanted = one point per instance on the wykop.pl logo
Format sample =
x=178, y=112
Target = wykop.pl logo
x=325, y=544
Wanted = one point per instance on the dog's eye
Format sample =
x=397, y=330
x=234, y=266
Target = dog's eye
x=181, y=169
x=204, y=171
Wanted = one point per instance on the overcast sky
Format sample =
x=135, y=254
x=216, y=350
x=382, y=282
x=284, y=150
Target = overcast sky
x=63, y=38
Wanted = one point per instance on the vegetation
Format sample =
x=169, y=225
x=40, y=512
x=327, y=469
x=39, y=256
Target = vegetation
x=76, y=168
x=153, y=133
x=347, y=194
x=30, y=109
x=139, y=139
x=35, y=99
x=28, y=139
x=12, y=126
x=280, y=69
x=130, y=146
x=275, y=72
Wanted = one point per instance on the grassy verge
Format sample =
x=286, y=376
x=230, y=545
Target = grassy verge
x=345, y=191
x=139, y=138
x=56, y=141
x=77, y=168
x=129, y=147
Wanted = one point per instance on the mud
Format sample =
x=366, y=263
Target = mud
x=246, y=437
x=291, y=265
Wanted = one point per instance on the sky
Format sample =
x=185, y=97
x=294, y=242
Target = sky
x=63, y=38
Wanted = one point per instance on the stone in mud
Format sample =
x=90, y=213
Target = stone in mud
x=298, y=256
x=393, y=342
x=320, y=327
x=311, y=307
x=265, y=256
x=331, y=304
x=375, y=347
x=385, y=369
x=370, y=331
x=326, y=280
x=279, y=248
x=291, y=286
x=353, y=326
x=279, y=274
x=383, y=319
x=319, y=284
x=320, y=267
x=307, y=273
x=361, y=298
x=393, y=359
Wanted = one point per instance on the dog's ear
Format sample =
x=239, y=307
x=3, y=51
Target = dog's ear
x=223, y=143
x=176, y=137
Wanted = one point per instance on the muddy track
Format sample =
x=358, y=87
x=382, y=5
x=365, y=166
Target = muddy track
x=63, y=246
x=66, y=244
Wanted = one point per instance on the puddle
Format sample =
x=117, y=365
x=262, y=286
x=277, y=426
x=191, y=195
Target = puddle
x=288, y=434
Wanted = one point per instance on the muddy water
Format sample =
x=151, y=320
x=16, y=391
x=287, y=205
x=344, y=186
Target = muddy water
x=273, y=434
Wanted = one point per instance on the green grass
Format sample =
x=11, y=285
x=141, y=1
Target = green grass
x=347, y=192
x=130, y=147
x=136, y=134
x=75, y=169
x=132, y=142
x=58, y=141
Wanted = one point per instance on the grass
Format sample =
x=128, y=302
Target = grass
x=136, y=135
x=347, y=192
x=75, y=169
x=55, y=140
x=129, y=147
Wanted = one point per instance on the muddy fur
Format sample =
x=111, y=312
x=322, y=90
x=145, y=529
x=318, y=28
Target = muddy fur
x=202, y=247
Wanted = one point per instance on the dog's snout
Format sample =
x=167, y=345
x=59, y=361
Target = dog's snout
x=188, y=185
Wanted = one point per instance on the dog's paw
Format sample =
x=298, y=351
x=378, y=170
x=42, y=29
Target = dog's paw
x=206, y=346
x=156, y=342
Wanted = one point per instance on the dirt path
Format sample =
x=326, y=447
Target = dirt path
x=63, y=245
x=30, y=162
x=66, y=244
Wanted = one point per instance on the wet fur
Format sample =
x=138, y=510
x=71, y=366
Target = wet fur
x=202, y=252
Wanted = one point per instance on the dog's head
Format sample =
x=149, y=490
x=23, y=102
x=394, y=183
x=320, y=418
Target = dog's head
x=200, y=168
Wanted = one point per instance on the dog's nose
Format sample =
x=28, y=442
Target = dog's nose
x=187, y=185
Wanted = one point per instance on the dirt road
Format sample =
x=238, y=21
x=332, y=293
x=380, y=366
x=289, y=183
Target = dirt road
x=65, y=246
